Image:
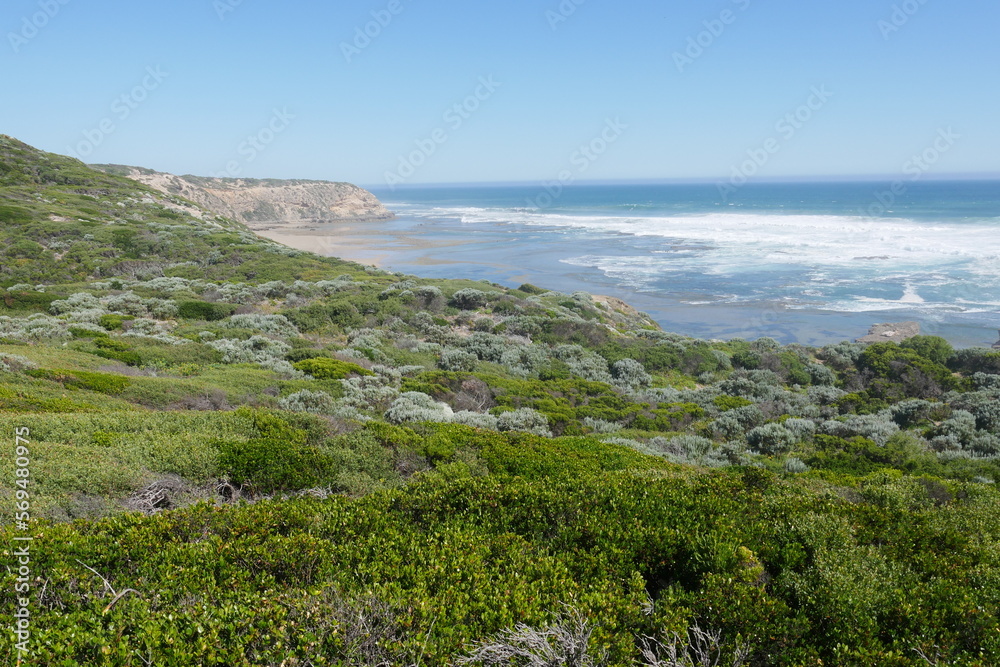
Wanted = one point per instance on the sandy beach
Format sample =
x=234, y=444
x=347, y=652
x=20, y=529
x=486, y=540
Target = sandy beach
x=371, y=243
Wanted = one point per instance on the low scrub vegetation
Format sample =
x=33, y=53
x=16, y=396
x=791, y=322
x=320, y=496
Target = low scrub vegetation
x=294, y=460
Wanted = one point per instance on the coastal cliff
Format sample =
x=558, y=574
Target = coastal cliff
x=267, y=203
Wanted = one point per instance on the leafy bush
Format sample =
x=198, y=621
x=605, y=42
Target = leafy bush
x=327, y=368
x=468, y=299
x=268, y=465
x=307, y=401
x=476, y=420
x=413, y=406
x=878, y=428
x=528, y=288
x=457, y=360
x=15, y=363
x=526, y=420
x=934, y=348
x=277, y=325
x=204, y=310
x=771, y=439
x=104, y=383
x=630, y=374
x=113, y=321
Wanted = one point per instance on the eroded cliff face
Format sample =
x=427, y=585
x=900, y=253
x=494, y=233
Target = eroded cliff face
x=268, y=203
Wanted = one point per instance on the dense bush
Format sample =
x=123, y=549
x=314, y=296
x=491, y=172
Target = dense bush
x=307, y=401
x=630, y=374
x=203, y=310
x=524, y=419
x=468, y=299
x=412, y=406
x=266, y=466
x=771, y=439
x=327, y=368
x=457, y=360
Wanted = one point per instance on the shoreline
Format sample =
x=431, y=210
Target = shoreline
x=439, y=249
x=358, y=242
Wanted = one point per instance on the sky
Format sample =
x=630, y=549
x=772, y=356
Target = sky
x=398, y=92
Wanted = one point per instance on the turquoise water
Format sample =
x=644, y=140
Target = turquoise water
x=808, y=262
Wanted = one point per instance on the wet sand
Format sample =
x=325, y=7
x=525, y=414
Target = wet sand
x=372, y=243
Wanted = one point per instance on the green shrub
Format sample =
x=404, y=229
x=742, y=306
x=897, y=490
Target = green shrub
x=78, y=332
x=204, y=310
x=114, y=321
x=303, y=353
x=269, y=465
x=726, y=402
x=327, y=368
x=30, y=301
x=104, y=383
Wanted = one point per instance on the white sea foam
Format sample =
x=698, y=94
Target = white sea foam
x=739, y=242
x=805, y=262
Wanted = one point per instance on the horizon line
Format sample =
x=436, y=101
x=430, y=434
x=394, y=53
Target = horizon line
x=700, y=180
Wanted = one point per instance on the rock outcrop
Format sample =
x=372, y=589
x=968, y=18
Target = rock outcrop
x=265, y=203
x=893, y=332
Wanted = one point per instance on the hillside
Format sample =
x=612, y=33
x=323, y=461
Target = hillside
x=264, y=203
x=236, y=453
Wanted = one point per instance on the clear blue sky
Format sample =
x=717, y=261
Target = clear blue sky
x=230, y=64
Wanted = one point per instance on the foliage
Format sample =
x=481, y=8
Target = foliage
x=327, y=368
x=566, y=484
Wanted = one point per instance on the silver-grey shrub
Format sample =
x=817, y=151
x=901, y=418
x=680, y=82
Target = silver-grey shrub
x=524, y=419
x=15, y=363
x=486, y=346
x=78, y=301
x=734, y=423
x=524, y=360
x=802, y=429
x=318, y=402
x=584, y=363
x=630, y=374
x=278, y=325
x=771, y=439
x=457, y=360
x=600, y=426
x=375, y=393
x=682, y=447
x=476, y=420
x=255, y=350
x=563, y=643
x=33, y=327
x=468, y=299
x=794, y=465
x=878, y=428
x=414, y=406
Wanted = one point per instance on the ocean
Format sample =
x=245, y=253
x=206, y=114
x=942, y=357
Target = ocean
x=812, y=263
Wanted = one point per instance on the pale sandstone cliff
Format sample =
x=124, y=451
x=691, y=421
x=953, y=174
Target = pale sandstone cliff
x=266, y=204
